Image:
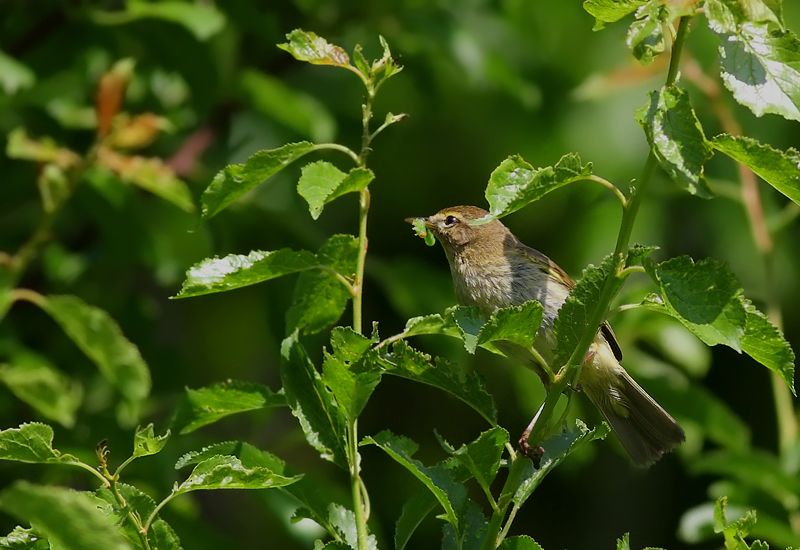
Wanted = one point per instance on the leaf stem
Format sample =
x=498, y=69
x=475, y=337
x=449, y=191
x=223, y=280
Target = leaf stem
x=610, y=186
x=84, y=466
x=154, y=513
x=111, y=482
x=341, y=148
x=357, y=488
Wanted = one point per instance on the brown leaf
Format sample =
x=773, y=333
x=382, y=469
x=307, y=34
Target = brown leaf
x=136, y=132
x=110, y=93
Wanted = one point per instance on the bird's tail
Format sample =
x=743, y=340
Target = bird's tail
x=644, y=428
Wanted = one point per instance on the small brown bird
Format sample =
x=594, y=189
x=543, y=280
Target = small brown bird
x=492, y=269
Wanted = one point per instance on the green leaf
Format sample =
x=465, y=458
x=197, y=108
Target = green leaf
x=70, y=519
x=31, y=442
x=734, y=531
x=760, y=61
x=202, y=20
x=343, y=522
x=321, y=182
x=160, y=535
x=516, y=324
x=152, y=175
x=780, y=169
x=349, y=345
x=319, y=297
x=705, y=297
x=101, y=339
x=203, y=406
x=146, y=442
x=54, y=187
x=24, y=539
x=521, y=542
x=450, y=494
x=556, y=449
x=237, y=271
x=764, y=342
x=351, y=388
x=297, y=110
x=578, y=308
x=473, y=526
x=482, y=456
x=414, y=511
x=624, y=542
x=515, y=183
x=237, y=179
x=249, y=455
x=645, y=36
x=433, y=324
x=228, y=472
x=404, y=361
x=307, y=46
x=14, y=76
x=44, y=150
x=36, y=382
x=676, y=138
x=609, y=11
x=321, y=419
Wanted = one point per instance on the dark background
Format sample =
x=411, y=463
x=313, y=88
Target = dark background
x=482, y=80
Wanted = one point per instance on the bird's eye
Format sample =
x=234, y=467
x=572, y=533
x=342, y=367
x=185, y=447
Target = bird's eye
x=450, y=221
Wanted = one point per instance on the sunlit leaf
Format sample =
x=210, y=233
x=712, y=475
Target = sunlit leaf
x=645, y=36
x=31, y=442
x=307, y=46
x=146, y=442
x=101, y=339
x=228, y=472
x=135, y=132
x=202, y=20
x=608, y=11
x=45, y=150
x=24, y=539
x=14, y=76
x=321, y=182
x=203, y=406
x=235, y=180
x=515, y=183
x=676, y=138
x=70, y=519
x=343, y=522
x=351, y=386
x=406, y=362
x=760, y=61
x=780, y=169
x=247, y=453
x=321, y=419
x=36, y=382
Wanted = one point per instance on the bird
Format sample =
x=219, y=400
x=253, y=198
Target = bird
x=491, y=269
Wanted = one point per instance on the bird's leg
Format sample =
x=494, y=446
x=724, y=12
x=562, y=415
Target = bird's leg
x=533, y=452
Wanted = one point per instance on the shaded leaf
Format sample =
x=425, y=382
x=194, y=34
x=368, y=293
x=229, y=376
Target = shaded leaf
x=236, y=271
x=45, y=150
x=414, y=511
x=472, y=525
x=450, y=494
x=54, y=187
x=31, y=442
x=70, y=519
x=235, y=180
x=14, y=76
x=676, y=138
x=307, y=46
x=321, y=419
x=203, y=406
x=521, y=542
x=146, y=442
x=319, y=297
x=321, y=182
x=228, y=472
x=780, y=169
x=202, y=20
x=578, y=308
x=764, y=342
x=349, y=345
x=556, y=449
x=515, y=183
x=482, y=456
x=160, y=535
x=351, y=388
x=101, y=339
x=404, y=361
x=760, y=61
x=36, y=382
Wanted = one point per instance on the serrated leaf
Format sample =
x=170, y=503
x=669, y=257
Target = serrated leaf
x=236, y=271
x=23, y=539
x=645, y=36
x=516, y=324
x=319, y=297
x=349, y=345
x=146, y=442
x=31, y=442
x=321, y=419
x=160, y=535
x=235, y=180
x=556, y=449
x=70, y=519
x=307, y=46
x=432, y=324
x=764, y=342
x=343, y=522
x=202, y=20
x=760, y=61
x=472, y=529
x=578, y=308
x=228, y=472
x=203, y=406
x=101, y=339
x=521, y=542
x=676, y=138
x=247, y=453
x=515, y=183
x=624, y=542
x=35, y=381
x=321, y=182
x=736, y=530
x=482, y=456
x=450, y=494
x=780, y=169
x=705, y=297
x=609, y=11
x=404, y=361
x=351, y=388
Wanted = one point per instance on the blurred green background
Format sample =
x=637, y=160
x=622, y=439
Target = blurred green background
x=482, y=80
